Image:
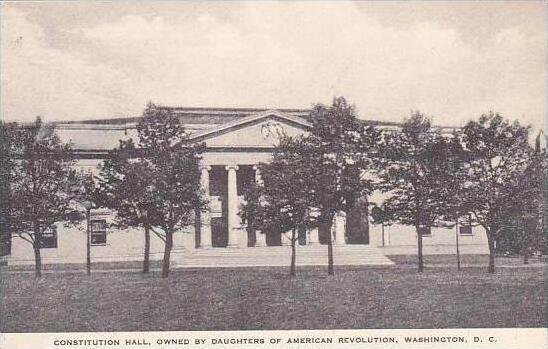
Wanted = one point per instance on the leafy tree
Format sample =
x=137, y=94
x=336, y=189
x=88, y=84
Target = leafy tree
x=7, y=163
x=281, y=200
x=125, y=185
x=497, y=153
x=412, y=172
x=339, y=148
x=324, y=167
x=522, y=230
x=43, y=186
x=169, y=162
x=452, y=169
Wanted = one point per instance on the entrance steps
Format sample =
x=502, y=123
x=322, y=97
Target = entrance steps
x=278, y=256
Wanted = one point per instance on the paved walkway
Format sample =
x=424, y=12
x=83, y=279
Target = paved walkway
x=135, y=270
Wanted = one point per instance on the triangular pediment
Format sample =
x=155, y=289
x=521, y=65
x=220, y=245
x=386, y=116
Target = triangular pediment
x=261, y=130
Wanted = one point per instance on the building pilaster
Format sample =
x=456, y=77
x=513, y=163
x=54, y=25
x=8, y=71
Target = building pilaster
x=232, y=204
x=205, y=221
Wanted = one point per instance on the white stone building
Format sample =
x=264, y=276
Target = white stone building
x=236, y=140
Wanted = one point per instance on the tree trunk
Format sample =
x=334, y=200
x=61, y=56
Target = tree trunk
x=491, y=243
x=457, y=242
x=382, y=227
x=293, y=252
x=419, y=250
x=330, y=270
x=526, y=256
x=88, y=244
x=146, y=258
x=37, y=258
x=167, y=253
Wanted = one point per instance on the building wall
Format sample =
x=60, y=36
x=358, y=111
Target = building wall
x=121, y=245
x=399, y=239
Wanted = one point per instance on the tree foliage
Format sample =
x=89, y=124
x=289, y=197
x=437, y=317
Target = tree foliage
x=156, y=182
x=43, y=186
x=325, y=167
x=497, y=154
x=522, y=225
x=281, y=201
x=7, y=163
x=413, y=171
x=340, y=149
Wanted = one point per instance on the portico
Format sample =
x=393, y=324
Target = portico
x=233, y=151
x=224, y=207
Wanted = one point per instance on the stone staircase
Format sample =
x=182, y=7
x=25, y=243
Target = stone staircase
x=277, y=256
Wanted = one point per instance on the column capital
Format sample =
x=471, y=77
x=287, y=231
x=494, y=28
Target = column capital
x=232, y=167
x=205, y=167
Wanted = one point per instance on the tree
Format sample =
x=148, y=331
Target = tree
x=412, y=173
x=281, y=200
x=339, y=148
x=452, y=170
x=522, y=231
x=43, y=185
x=497, y=153
x=169, y=161
x=7, y=163
x=125, y=186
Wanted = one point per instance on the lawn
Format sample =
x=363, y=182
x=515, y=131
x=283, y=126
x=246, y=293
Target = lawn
x=266, y=298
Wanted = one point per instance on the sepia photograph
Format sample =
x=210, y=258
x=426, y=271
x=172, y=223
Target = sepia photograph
x=297, y=174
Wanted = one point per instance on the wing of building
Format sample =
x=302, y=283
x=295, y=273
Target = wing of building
x=236, y=141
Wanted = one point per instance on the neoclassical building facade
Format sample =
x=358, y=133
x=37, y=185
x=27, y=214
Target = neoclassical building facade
x=237, y=140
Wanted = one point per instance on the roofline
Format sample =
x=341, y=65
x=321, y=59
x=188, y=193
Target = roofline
x=183, y=110
x=249, y=119
x=228, y=109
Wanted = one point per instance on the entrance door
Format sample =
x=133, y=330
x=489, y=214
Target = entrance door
x=219, y=232
x=273, y=238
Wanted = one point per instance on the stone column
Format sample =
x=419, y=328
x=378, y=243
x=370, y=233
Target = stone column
x=205, y=221
x=232, y=204
x=286, y=238
x=314, y=237
x=260, y=238
x=340, y=228
x=314, y=234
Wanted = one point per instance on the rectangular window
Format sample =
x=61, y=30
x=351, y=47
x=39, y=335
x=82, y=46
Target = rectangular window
x=49, y=238
x=425, y=231
x=465, y=230
x=98, y=232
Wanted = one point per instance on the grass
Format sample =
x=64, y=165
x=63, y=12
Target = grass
x=465, y=260
x=266, y=298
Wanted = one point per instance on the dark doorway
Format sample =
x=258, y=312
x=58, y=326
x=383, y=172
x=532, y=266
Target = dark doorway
x=324, y=233
x=273, y=238
x=357, y=222
x=219, y=232
x=251, y=237
x=302, y=236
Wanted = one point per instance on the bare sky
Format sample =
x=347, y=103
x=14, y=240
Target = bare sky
x=452, y=61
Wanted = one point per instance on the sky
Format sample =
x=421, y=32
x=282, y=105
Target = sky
x=451, y=61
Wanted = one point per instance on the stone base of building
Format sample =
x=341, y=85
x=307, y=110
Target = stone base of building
x=280, y=256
